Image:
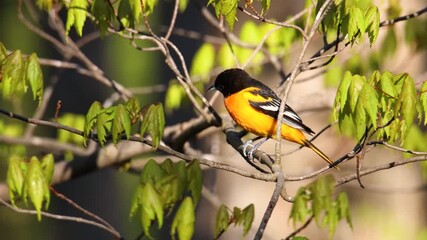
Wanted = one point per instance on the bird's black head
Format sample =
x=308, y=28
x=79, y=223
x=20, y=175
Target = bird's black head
x=231, y=81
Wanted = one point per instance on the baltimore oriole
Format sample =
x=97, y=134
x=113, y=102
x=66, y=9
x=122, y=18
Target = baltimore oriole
x=255, y=107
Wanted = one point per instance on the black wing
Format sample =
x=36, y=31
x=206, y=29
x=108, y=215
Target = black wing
x=271, y=107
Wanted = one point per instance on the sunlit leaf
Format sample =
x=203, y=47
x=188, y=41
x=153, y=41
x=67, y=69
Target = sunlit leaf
x=183, y=222
x=121, y=122
x=48, y=166
x=76, y=16
x=372, y=20
x=15, y=178
x=35, y=186
x=91, y=118
x=151, y=208
x=35, y=77
x=153, y=123
x=203, y=62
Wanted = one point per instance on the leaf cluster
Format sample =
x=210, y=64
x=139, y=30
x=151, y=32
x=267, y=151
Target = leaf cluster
x=355, y=17
x=30, y=179
x=242, y=217
x=167, y=188
x=388, y=103
x=116, y=120
x=17, y=72
x=317, y=200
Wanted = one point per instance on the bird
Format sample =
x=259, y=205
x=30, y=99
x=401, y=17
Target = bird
x=255, y=107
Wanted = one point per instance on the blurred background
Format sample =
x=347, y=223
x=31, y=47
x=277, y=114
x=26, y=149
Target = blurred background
x=390, y=207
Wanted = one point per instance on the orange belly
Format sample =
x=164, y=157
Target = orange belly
x=257, y=122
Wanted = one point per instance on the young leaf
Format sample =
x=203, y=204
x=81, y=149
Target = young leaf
x=3, y=53
x=12, y=71
x=369, y=100
x=226, y=8
x=225, y=57
x=136, y=8
x=344, y=208
x=103, y=123
x=152, y=172
x=203, y=62
x=151, y=208
x=35, y=77
x=342, y=92
x=356, y=85
x=45, y=4
x=300, y=210
x=91, y=117
x=406, y=103
x=222, y=221
x=183, y=5
x=121, y=122
x=153, y=123
x=387, y=86
x=48, y=165
x=15, y=178
x=356, y=23
x=174, y=96
x=76, y=16
x=372, y=20
x=35, y=186
x=183, y=222
x=148, y=6
x=195, y=181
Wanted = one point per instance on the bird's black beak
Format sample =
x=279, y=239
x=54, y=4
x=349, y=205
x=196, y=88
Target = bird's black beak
x=210, y=89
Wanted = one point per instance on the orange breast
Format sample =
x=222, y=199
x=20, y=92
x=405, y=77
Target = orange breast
x=255, y=121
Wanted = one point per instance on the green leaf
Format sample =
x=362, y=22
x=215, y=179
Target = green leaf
x=35, y=77
x=125, y=14
x=300, y=210
x=225, y=57
x=372, y=21
x=136, y=200
x=148, y=6
x=183, y=5
x=407, y=101
x=15, y=178
x=91, y=118
x=48, y=166
x=136, y=8
x=366, y=103
x=251, y=34
x=226, y=8
x=356, y=25
x=103, y=13
x=342, y=93
x=222, y=221
x=183, y=222
x=133, y=107
x=76, y=16
x=103, y=123
x=36, y=186
x=174, y=96
x=45, y=4
x=423, y=100
x=356, y=85
x=152, y=172
x=387, y=85
x=299, y=238
x=203, y=62
x=248, y=218
x=344, y=208
x=153, y=123
x=121, y=122
x=195, y=181
x=151, y=208
x=321, y=190
x=13, y=72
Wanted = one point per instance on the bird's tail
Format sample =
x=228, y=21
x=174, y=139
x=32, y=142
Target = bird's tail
x=318, y=152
